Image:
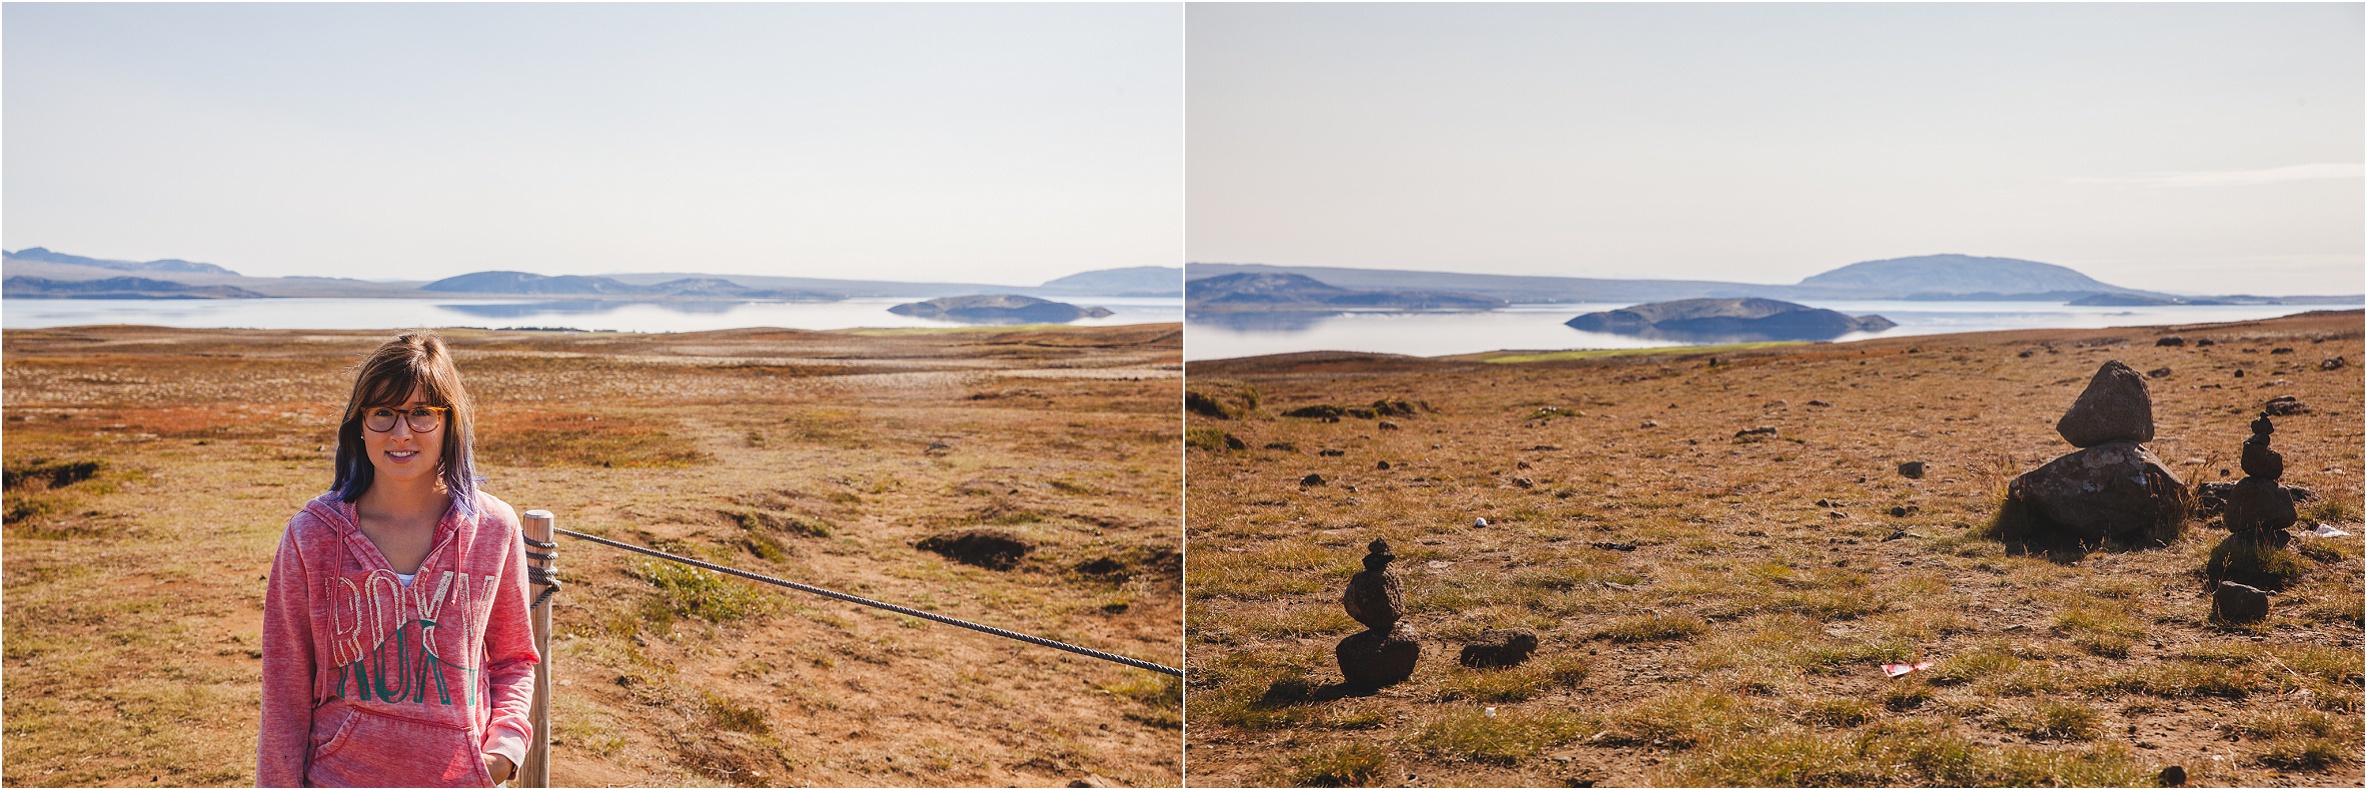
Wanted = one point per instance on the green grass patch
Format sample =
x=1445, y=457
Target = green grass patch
x=1159, y=695
x=684, y=591
x=1505, y=739
x=1683, y=719
x=1838, y=712
x=2256, y=564
x=1352, y=764
x=2052, y=721
x=1513, y=684
x=1903, y=753
x=1652, y=628
x=1213, y=440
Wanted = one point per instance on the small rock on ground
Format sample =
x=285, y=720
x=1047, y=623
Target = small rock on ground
x=985, y=548
x=1500, y=647
x=2239, y=603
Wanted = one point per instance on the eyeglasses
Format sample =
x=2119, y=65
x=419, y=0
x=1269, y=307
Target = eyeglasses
x=422, y=418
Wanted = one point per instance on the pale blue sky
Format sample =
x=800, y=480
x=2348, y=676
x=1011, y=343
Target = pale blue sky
x=995, y=143
x=2199, y=148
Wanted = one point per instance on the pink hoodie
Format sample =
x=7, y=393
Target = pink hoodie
x=368, y=683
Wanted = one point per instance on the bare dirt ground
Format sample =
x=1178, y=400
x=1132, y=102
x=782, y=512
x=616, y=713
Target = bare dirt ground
x=133, y=581
x=1714, y=608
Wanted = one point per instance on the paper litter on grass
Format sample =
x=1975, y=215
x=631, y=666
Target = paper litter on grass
x=1896, y=670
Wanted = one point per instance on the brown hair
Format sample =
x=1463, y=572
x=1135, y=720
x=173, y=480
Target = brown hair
x=413, y=361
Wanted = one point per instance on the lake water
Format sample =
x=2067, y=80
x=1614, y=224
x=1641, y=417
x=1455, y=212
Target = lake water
x=494, y=314
x=1539, y=327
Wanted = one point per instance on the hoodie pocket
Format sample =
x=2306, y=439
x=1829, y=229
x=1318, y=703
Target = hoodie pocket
x=378, y=750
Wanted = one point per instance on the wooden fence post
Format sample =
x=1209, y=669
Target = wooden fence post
x=537, y=770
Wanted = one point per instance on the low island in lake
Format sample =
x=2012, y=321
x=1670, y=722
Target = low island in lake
x=1728, y=319
x=999, y=309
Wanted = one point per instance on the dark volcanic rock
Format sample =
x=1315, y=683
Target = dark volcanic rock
x=2239, y=603
x=985, y=548
x=1500, y=647
x=2254, y=504
x=2284, y=406
x=2171, y=340
x=1728, y=318
x=2117, y=490
x=1912, y=470
x=998, y=309
x=2260, y=461
x=1312, y=480
x=1374, y=597
x=2115, y=407
x=1372, y=659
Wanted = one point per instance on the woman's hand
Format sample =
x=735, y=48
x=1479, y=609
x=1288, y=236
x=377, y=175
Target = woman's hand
x=499, y=767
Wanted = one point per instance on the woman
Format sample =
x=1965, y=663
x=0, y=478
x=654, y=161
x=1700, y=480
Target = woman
x=396, y=646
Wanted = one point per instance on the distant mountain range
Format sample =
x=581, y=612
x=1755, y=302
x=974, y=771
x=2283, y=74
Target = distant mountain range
x=715, y=288
x=164, y=265
x=45, y=264
x=22, y=287
x=1920, y=278
x=1267, y=292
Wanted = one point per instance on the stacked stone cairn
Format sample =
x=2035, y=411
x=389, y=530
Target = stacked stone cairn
x=1385, y=652
x=2258, y=507
x=2258, y=513
x=2112, y=490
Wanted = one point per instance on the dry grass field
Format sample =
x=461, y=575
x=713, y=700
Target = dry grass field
x=151, y=472
x=1714, y=608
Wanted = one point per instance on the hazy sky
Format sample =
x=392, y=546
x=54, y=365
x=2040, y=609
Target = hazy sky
x=980, y=143
x=2199, y=148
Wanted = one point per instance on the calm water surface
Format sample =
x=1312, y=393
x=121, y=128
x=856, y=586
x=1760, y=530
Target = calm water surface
x=1539, y=327
x=494, y=314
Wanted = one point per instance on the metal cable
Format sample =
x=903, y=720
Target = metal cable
x=903, y=610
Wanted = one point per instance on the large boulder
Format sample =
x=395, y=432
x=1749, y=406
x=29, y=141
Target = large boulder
x=2116, y=407
x=1375, y=658
x=2116, y=490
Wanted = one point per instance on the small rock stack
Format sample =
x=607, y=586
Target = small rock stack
x=2259, y=508
x=1385, y=652
x=2112, y=489
x=2258, y=511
